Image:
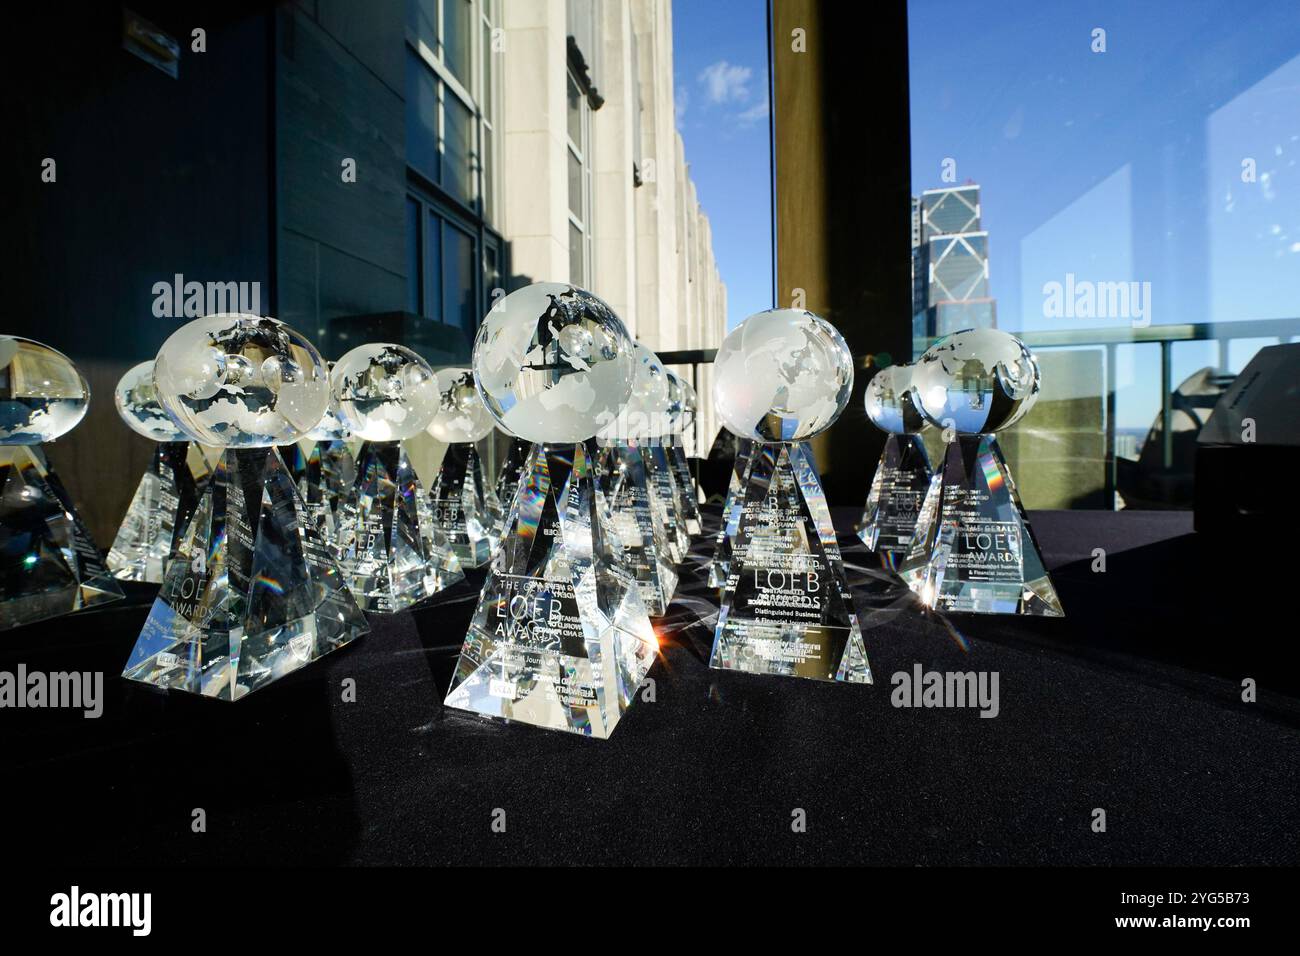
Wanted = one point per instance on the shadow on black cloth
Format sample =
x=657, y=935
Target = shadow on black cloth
x=1132, y=703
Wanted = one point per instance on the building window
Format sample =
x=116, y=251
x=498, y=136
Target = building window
x=452, y=94
x=579, y=160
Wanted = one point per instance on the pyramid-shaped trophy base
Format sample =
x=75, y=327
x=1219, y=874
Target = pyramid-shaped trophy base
x=48, y=563
x=462, y=506
x=720, y=565
x=508, y=474
x=664, y=502
x=786, y=608
x=973, y=550
x=638, y=526
x=392, y=552
x=560, y=638
x=688, y=504
x=161, y=508
x=897, y=491
x=253, y=593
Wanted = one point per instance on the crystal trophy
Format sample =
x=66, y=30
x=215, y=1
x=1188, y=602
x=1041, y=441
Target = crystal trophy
x=462, y=502
x=645, y=425
x=973, y=550
x=720, y=565
x=49, y=564
x=781, y=377
x=324, y=469
x=903, y=473
x=167, y=493
x=253, y=593
x=560, y=638
x=682, y=406
x=639, y=521
x=509, y=473
x=392, y=551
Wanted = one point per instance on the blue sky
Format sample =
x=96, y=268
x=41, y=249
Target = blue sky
x=720, y=80
x=1124, y=165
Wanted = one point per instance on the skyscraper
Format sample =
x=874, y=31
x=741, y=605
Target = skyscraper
x=950, y=263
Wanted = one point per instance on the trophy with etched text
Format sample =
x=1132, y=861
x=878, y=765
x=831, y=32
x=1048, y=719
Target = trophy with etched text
x=973, y=550
x=682, y=406
x=169, y=490
x=324, y=469
x=253, y=592
x=781, y=377
x=463, y=505
x=649, y=410
x=50, y=566
x=903, y=473
x=392, y=551
x=720, y=565
x=560, y=637
x=640, y=505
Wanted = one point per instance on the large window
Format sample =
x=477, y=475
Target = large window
x=453, y=253
x=578, y=125
x=1118, y=185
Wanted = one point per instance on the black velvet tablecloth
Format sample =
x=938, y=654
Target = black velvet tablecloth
x=1132, y=704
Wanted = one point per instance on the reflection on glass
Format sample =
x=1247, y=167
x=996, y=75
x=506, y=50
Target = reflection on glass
x=421, y=118
x=459, y=167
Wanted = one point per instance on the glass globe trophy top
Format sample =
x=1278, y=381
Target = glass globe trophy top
x=168, y=490
x=973, y=550
x=461, y=415
x=553, y=363
x=241, y=381
x=385, y=392
x=464, y=506
x=49, y=564
x=42, y=395
x=253, y=592
x=902, y=475
x=560, y=638
x=391, y=549
x=782, y=377
x=977, y=381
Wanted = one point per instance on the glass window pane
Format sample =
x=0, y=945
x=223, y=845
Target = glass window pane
x=459, y=168
x=433, y=268
x=489, y=197
x=458, y=267
x=457, y=35
x=421, y=117
x=577, y=272
x=575, y=113
x=576, y=205
x=422, y=19
x=485, y=94
x=413, y=261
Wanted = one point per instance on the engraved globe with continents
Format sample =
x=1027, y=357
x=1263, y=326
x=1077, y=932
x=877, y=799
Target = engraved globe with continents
x=241, y=381
x=976, y=381
x=137, y=403
x=891, y=403
x=42, y=395
x=461, y=416
x=553, y=363
x=385, y=392
x=783, y=375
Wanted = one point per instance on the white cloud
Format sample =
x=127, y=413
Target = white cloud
x=725, y=82
x=754, y=114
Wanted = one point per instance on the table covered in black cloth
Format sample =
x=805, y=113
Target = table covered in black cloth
x=1132, y=704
